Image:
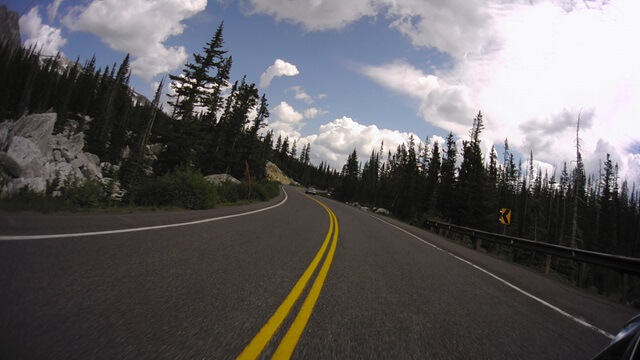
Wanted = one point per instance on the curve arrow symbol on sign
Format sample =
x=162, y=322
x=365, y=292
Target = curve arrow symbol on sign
x=505, y=216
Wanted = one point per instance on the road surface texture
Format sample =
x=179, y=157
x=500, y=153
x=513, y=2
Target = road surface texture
x=208, y=289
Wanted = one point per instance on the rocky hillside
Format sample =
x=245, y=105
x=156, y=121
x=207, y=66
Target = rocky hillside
x=275, y=174
x=35, y=157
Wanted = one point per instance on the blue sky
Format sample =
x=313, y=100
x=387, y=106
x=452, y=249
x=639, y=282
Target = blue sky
x=358, y=72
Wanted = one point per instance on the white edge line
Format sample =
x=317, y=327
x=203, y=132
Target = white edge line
x=562, y=312
x=146, y=228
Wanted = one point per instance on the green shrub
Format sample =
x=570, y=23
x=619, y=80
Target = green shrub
x=231, y=192
x=265, y=190
x=85, y=194
x=74, y=195
x=181, y=188
x=27, y=200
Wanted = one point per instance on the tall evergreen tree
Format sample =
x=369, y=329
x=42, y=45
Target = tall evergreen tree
x=433, y=178
x=448, y=178
x=350, y=174
x=608, y=214
x=471, y=204
x=195, y=86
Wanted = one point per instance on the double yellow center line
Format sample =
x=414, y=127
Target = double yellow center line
x=290, y=339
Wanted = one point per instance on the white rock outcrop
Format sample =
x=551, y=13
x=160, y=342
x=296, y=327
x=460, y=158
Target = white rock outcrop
x=37, y=128
x=275, y=174
x=23, y=158
x=34, y=156
x=218, y=179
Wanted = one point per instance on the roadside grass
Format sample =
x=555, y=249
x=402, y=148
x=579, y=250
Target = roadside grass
x=180, y=190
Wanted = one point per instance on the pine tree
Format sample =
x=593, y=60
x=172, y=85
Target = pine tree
x=261, y=118
x=447, y=187
x=471, y=180
x=307, y=155
x=349, y=175
x=212, y=100
x=608, y=216
x=278, y=144
x=579, y=181
x=196, y=87
x=433, y=177
x=114, y=105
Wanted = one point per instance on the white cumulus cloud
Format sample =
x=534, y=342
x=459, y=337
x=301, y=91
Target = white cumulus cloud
x=44, y=38
x=300, y=94
x=448, y=106
x=334, y=141
x=279, y=68
x=310, y=113
x=533, y=81
x=138, y=27
x=285, y=121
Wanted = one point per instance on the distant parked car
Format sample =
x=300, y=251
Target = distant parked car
x=311, y=190
x=626, y=345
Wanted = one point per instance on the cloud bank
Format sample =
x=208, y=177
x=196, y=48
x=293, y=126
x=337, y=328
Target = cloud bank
x=334, y=141
x=532, y=67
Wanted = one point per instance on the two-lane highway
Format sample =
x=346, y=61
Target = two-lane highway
x=306, y=277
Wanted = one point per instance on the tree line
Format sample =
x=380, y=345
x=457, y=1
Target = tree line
x=418, y=182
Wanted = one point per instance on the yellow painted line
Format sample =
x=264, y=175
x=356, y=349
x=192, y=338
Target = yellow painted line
x=290, y=340
x=260, y=341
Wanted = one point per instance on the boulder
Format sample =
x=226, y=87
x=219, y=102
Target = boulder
x=63, y=171
x=218, y=179
x=86, y=163
x=93, y=159
x=24, y=159
x=57, y=156
x=36, y=127
x=38, y=185
x=69, y=147
x=383, y=211
x=154, y=149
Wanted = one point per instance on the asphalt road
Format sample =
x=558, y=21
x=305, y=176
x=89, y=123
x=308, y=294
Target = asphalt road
x=206, y=289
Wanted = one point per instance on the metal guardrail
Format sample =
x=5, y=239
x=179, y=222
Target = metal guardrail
x=623, y=264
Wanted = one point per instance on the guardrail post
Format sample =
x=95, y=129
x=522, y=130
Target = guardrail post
x=624, y=293
x=477, y=242
x=547, y=265
x=582, y=274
